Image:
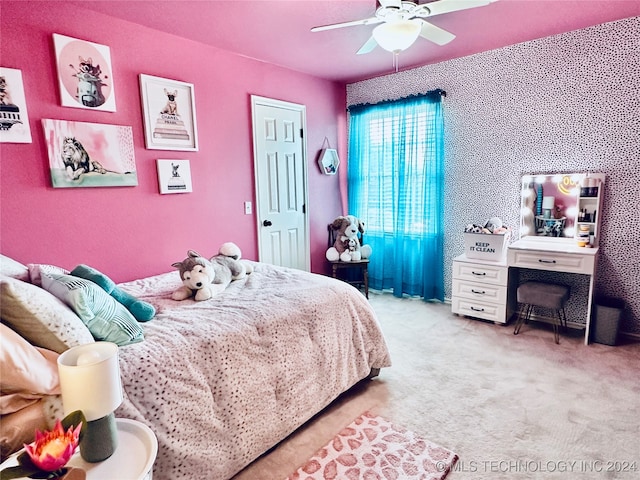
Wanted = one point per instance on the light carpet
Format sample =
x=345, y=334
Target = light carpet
x=511, y=406
x=372, y=448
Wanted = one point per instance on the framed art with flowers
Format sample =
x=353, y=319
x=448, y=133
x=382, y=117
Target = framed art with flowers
x=84, y=74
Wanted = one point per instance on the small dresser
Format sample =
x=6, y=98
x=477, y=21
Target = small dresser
x=481, y=289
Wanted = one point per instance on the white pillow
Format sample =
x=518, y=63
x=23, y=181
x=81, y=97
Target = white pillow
x=39, y=317
x=13, y=269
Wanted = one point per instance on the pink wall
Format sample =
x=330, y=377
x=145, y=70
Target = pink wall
x=131, y=232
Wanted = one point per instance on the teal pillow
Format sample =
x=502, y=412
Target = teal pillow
x=142, y=311
x=105, y=318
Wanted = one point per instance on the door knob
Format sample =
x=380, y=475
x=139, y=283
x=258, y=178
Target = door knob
x=267, y=223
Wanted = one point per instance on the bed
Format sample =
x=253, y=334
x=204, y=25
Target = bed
x=222, y=381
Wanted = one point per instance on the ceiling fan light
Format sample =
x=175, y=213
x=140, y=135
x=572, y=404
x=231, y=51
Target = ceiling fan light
x=397, y=36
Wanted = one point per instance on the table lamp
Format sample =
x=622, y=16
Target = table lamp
x=548, y=204
x=90, y=382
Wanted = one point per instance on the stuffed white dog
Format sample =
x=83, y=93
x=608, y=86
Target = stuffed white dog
x=347, y=245
x=203, y=278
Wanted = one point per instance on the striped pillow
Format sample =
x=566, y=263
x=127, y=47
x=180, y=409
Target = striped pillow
x=106, y=319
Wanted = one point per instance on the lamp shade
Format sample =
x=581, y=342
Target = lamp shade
x=397, y=36
x=548, y=203
x=90, y=379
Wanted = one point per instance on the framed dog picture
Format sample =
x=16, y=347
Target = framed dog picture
x=14, y=120
x=85, y=154
x=174, y=176
x=84, y=74
x=169, y=111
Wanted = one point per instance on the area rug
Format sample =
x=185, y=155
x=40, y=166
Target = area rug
x=372, y=448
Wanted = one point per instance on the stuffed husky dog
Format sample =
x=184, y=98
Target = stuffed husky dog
x=204, y=278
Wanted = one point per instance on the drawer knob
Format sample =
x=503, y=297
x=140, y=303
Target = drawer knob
x=478, y=291
x=541, y=260
x=478, y=273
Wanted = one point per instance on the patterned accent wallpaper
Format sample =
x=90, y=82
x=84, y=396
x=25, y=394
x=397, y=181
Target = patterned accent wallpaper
x=566, y=103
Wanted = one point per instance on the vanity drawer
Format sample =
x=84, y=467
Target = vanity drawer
x=552, y=261
x=476, y=272
x=479, y=309
x=480, y=292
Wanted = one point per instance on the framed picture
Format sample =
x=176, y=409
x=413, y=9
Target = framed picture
x=84, y=74
x=89, y=154
x=169, y=111
x=14, y=119
x=174, y=176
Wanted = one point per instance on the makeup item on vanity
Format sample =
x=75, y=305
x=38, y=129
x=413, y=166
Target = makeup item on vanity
x=583, y=235
x=584, y=191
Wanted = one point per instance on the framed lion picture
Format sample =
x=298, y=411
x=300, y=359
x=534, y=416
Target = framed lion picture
x=85, y=154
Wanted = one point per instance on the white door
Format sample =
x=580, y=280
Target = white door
x=279, y=153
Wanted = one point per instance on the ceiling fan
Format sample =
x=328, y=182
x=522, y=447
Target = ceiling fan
x=403, y=22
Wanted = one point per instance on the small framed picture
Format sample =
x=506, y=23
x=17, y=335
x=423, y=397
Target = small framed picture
x=85, y=154
x=84, y=74
x=174, y=176
x=169, y=111
x=14, y=119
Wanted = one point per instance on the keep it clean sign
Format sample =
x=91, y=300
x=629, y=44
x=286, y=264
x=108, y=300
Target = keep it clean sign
x=482, y=247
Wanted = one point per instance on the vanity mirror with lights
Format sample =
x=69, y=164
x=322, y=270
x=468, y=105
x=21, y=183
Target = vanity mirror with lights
x=559, y=228
x=562, y=206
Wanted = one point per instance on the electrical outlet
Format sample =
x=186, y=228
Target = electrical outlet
x=247, y=208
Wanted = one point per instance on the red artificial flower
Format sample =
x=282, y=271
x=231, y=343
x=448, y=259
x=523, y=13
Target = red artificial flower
x=52, y=450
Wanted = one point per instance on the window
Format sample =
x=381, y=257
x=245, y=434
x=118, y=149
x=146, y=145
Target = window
x=395, y=181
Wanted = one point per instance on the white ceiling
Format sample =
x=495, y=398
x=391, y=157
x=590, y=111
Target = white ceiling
x=278, y=31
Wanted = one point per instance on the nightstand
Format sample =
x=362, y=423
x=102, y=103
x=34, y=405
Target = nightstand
x=132, y=460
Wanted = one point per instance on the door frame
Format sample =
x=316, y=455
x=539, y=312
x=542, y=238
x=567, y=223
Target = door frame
x=257, y=100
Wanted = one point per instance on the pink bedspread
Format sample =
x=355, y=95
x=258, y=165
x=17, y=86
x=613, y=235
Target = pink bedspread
x=222, y=381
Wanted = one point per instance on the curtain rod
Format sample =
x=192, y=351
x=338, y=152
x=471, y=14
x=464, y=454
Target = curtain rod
x=431, y=93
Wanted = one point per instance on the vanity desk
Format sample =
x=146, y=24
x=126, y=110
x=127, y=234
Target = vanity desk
x=558, y=243
x=560, y=230
x=556, y=255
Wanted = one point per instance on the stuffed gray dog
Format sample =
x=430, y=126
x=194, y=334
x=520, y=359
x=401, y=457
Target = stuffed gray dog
x=204, y=278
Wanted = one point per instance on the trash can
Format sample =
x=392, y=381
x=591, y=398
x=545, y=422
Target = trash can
x=607, y=320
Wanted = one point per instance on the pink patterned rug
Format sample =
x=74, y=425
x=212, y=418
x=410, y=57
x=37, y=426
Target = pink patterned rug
x=372, y=448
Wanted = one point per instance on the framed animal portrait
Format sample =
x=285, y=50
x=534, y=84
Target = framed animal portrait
x=85, y=154
x=174, y=176
x=84, y=74
x=169, y=111
x=14, y=119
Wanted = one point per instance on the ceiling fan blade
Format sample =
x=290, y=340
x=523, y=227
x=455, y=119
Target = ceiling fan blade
x=368, y=46
x=435, y=34
x=364, y=21
x=445, y=6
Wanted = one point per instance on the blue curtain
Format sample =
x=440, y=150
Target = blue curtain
x=395, y=178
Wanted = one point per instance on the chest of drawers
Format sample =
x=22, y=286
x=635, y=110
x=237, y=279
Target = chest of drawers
x=481, y=289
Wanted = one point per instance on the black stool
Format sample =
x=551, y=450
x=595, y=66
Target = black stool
x=546, y=295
